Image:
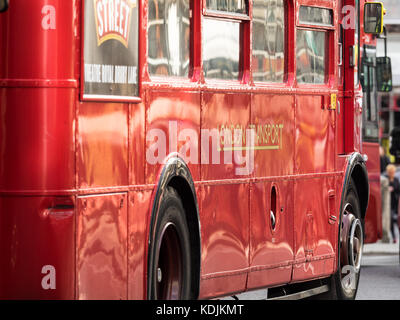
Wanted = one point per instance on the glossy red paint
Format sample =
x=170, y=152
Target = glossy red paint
x=101, y=247
x=173, y=112
x=314, y=236
x=58, y=151
x=36, y=232
x=139, y=208
x=102, y=130
x=271, y=249
x=33, y=137
x=279, y=162
x=225, y=238
x=352, y=91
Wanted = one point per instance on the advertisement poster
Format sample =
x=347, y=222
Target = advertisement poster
x=111, y=49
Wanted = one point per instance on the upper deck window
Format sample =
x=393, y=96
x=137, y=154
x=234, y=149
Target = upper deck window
x=368, y=83
x=231, y=6
x=221, y=49
x=221, y=38
x=169, y=37
x=311, y=56
x=269, y=40
x=316, y=26
x=316, y=16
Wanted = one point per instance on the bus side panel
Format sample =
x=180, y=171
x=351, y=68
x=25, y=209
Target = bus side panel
x=174, y=117
x=225, y=239
x=315, y=135
x=273, y=117
x=37, y=248
x=373, y=219
x=314, y=237
x=271, y=249
x=37, y=139
x=102, y=147
x=224, y=206
x=314, y=199
x=137, y=154
x=226, y=112
x=139, y=208
x=39, y=40
x=101, y=247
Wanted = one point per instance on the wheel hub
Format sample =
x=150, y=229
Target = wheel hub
x=159, y=275
x=352, y=239
x=356, y=244
x=168, y=273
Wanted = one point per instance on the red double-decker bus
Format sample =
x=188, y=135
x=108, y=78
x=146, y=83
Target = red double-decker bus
x=373, y=222
x=179, y=149
x=369, y=74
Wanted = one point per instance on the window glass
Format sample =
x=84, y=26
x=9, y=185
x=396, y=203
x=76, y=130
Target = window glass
x=316, y=16
x=370, y=110
x=368, y=84
x=233, y=6
x=169, y=37
x=269, y=40
x=221, y=49
x=368, y=74
x=311, y=56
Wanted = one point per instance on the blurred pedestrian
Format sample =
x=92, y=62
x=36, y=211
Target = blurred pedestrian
x=384, y=159
x=394, y=189
x=395, y=144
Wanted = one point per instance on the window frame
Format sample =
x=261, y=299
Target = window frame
x=329, y=45
x=176, y=79
x=370, y=93
x=316, y=24
x=225, y=14
x=109, y=98
x=286, y=51
x=326, y=58
x=244, y=22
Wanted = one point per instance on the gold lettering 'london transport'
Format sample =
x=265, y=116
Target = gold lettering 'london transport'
x=267, y=137
x=113, y=20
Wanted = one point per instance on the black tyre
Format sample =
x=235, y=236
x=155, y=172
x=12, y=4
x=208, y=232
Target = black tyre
x=170, y=258
x=344, y=283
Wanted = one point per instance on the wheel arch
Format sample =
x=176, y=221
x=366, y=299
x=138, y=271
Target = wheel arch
x=177, y=175
x=357, y=170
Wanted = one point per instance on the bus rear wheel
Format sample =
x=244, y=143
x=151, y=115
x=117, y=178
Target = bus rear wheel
x=170, y=266
x=344, y=283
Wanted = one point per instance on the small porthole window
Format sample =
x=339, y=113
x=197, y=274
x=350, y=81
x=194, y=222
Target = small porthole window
x=273, y=209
